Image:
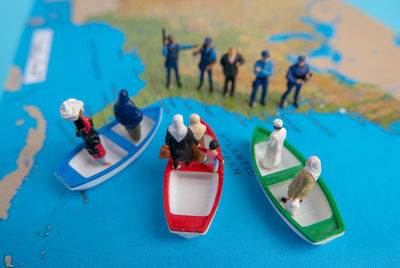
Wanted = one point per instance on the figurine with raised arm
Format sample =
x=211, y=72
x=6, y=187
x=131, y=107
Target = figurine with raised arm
x=198, y=130
x=230, y=63
x=296, y=75
x=208, y=58
x=263, y=69
x=72, y=110
x=302, y=184
x=128, y=115
x=213, y=157
x=178, y=139
x=273, y=153
x=171, y=52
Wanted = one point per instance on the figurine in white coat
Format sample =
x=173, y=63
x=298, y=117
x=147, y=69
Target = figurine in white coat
x=273, y=151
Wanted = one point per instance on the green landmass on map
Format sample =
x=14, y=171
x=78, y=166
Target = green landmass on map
x=247, y=30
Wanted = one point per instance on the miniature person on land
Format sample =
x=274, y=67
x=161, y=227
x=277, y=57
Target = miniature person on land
x=128, y=115
x=208, y=58
x=198, y=130
x=72, y=110
x=302, y=184
x=178, y=139
x=171, y=52
x=263, y=69
x=213, y=157
x=230, y=63
x=273, y=153
x=296, y=75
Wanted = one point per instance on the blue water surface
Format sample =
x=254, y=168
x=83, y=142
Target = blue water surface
x=121, y=223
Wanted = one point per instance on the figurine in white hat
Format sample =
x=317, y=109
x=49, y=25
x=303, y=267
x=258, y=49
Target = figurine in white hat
x=72, y=110
x=273, y=152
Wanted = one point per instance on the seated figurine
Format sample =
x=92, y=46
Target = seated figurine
x=198, y=130
x=273, y=152
x=178, y=139
x=213, y=157
x=72, y=110
x=128, y=115
x=302, y=184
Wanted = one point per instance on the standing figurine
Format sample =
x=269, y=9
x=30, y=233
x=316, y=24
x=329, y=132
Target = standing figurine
x=230, y=63
x=208, y=57
x=178, y=139
x=273, y=153
x=72, y=110
x=198, y=130
x=128, y=115
x=213, y=157
x=297, y=74
x=171, y=52
x=302, y=184
x=263, y=69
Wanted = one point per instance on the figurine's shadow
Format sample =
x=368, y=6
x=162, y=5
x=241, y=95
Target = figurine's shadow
x=265, y=211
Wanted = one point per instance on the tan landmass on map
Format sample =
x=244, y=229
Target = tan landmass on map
x=14, y=80
x=83, y=9
x=368, y=49
x=10, y=183
x=247, y=24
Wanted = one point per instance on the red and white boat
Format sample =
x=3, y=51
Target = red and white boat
x=192, y=193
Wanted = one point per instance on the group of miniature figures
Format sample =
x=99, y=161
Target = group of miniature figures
x=303, y=182
x=296, y=75
x=186, y=144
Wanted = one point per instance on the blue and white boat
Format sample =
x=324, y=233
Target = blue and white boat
x=79, y=171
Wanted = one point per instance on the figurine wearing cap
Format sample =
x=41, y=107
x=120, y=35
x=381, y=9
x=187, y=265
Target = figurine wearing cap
x=263, y=69
x=171, y=52
x=273, y=151
x=208, y=58
x=296, y=75
x=72, y=110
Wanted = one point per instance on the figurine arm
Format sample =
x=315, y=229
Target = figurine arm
x=203, y=149
x=220, y=158
x=268, y=69
x=184, y=46
x=255, y=68
x=165, y=50
x=241, y=60
x=289, y=75
x=168, y=139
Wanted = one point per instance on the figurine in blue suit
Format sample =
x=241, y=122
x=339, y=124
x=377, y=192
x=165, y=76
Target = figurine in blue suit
x=263, y=69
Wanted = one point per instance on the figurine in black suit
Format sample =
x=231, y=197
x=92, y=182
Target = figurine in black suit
x=230, y=63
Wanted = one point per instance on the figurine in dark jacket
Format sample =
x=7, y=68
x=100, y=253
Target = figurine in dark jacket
x=230, y=63
x=128, y=115
x=72, y=110
x=179, y=139
x=296, y=75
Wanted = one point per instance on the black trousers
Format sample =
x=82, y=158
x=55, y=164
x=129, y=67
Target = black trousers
x=232, y=79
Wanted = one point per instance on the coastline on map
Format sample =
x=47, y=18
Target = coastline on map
x=10, y=183
x=83, y=9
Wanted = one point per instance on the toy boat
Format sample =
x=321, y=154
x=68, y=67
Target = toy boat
x=318, y=220
x=191, y=194
x=79, y=171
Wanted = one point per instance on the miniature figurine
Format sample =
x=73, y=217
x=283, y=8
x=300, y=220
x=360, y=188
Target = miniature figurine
x=213, y=157
x=207, y=61
x=178, y=139
x=230, y=63
x=72, y=110
x=263, y=69
x=198, y=130
x=171, y=52
x=273, y=153
x=297, y=74
x=128, y=115
x=302, y=184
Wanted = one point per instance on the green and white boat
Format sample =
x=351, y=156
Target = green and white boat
x=318, y=220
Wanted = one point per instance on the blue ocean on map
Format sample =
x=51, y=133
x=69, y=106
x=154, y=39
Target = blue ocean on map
x=121, y=223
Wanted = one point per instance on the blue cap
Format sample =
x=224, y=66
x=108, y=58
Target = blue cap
x=207, y=41
x=265, y=54
x=301, y=59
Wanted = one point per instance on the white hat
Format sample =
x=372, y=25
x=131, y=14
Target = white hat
x=278, y=123
x=70, y=109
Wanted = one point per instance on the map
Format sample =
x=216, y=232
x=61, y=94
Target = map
x=90, y=49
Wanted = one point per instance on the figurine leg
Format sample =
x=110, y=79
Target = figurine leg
x=264, y=91
x=296, y=95
x=178, y=80
x=256, y=84
x=289, y=89
x=216, y=165
x=168, y=76
x=176, y=164
x=225, y=86
x=134, y=133
x=201, y=79
x=210, y=80
x=233, y=80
